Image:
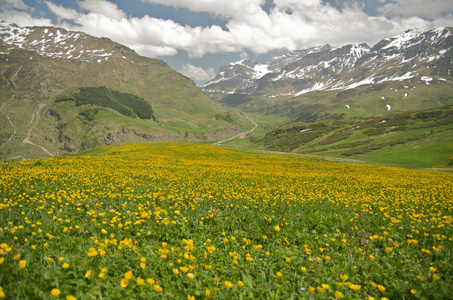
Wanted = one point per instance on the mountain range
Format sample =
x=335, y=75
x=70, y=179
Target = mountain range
x=389, y=103
x=40, y=64
x=63, y=92
x=427, y=55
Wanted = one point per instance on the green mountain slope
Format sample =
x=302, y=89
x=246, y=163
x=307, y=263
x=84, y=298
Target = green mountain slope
x=410, y=71
x=367, y=100
x=417, y=138
x=39, y=64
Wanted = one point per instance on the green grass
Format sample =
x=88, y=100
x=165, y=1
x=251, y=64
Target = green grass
x=363, y=100
x=174, y=98
x=417, y=139
x=435, y=152
x=176, y=221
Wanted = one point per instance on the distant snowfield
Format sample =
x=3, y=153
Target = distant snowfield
x=260, y=70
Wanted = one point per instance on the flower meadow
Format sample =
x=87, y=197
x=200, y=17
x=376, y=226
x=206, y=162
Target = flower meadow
x=187, y=221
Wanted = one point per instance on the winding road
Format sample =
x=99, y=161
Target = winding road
x=238, y=135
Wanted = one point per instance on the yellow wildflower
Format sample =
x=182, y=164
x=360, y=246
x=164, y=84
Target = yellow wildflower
x=381, y=288
x=22, y=264
x=124, y=282
x=140, y=281
x=128, y=275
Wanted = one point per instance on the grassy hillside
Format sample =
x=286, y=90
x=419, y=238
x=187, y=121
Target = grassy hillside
x=65, y=128
x=177, y=221
x=30, y=84
x=417, y=138
x=366, y=100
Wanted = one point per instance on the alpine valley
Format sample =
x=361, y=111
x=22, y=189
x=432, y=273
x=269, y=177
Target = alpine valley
x=346, y=91
x=63, y=92
x=417, y=55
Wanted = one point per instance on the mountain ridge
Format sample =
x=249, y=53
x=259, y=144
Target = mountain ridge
x=38, y=64
x=402, y=57
x=419, y=138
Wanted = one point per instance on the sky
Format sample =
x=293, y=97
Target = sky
x=195, y=37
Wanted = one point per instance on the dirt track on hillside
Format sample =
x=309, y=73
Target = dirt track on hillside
x=33, y=125
x=238, y=135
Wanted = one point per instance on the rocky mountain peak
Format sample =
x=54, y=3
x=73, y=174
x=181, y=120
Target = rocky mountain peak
x=59, y=43
x=412, y=53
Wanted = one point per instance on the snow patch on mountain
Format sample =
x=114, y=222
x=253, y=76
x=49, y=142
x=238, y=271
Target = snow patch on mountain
x=239, y=62
x=426, y=79
x=53, y=43
x=358, y=50
x=260, y=70
x=406, y=76
x=318, y=86
x=414, y=53
x=403, y=39
x=13, y=34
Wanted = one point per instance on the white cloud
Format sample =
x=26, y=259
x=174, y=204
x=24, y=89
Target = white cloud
x=16, y=11
x=103, y=7
x=197, y=73
x=62, y=12
x=153, y=51
x=444, y=21
x=411, y=8
x=244, y=55
x=298, y=5
x=23, y=18
x=16, y=4
x=290, y=24
x=228, y=9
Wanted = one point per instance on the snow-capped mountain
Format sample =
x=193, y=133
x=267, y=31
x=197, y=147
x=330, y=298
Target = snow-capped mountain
x=40, y=66
x=55, y=42
x=414, y=53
